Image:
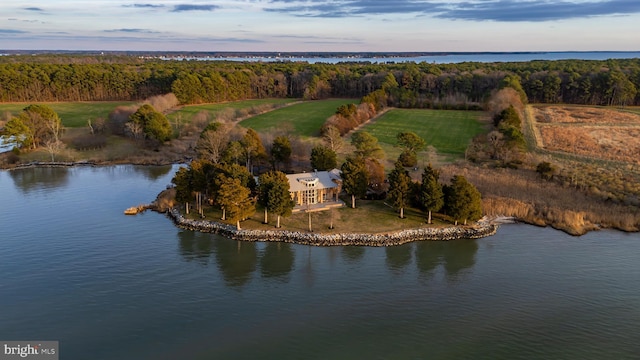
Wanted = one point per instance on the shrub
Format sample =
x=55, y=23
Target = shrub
x=89, y=142
x=408, y=158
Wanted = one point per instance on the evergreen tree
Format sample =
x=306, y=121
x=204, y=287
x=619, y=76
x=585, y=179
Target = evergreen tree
x=354, y=178
x=236, y=201
x=182, y=182
x=462, y=200
x=253, y=147
x=323, y=158
x=154, y=124
x=281, y=150
x=274, y=194
x=399, y=188
x=366, y=145
x=431, y=194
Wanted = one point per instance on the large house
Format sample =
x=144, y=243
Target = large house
x=316, y=187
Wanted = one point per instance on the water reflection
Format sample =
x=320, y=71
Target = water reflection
x=398, y=257
x=195, y=246
x=455, y=256
x=276, y=260
x=45, y=178
x=353, y=254
x=153, y=172
x=236, y=260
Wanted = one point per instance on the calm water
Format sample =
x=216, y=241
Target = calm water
x=443, y=59
x=73, y=268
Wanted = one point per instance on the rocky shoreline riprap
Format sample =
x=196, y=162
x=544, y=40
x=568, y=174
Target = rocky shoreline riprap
x=400, y=237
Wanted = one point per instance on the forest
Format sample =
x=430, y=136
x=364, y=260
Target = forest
x=52, y=78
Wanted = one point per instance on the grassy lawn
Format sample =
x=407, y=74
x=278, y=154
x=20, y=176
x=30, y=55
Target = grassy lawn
x=72, y=114
x=305, y=118
x=369, y=216
x=449, y=131
x=189, y=111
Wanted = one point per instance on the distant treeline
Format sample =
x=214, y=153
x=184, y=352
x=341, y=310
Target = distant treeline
x=110, y=78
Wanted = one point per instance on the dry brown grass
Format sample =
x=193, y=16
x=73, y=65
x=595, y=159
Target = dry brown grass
x=583, y=115
x=597, y=133
x=522, y=194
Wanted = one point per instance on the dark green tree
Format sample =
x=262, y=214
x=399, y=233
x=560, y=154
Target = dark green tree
x=354, y=178
x=366, y=145
x=399, y=188
x=281, y=151
x=154, y=124
x=462, y=200
x=431, y=194
x=410, y=141
x=253, y=147
x=323, y=158
x=236, y=200
x=182, y=182
x=273, y=194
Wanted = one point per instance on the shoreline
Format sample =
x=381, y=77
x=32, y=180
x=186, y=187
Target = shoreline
x=342, y=239
x=535, y=220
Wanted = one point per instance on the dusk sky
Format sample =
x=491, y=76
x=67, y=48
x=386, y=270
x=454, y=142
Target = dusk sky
x=321, y=25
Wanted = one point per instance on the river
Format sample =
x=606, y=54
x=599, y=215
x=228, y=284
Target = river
x=451, y=58
x=108, y=286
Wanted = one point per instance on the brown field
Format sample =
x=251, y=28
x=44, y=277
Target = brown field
x=591, y=132
x=584, y=115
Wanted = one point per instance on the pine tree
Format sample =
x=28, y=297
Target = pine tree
x=462, y=200
x=235, y=199
x=323, y=158
x=399, y=187
x=354, y=178
x=274, y=194
x=254, y=149
x=431, y=194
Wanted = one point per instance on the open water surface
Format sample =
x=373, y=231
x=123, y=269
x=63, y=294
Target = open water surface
x=73, y=268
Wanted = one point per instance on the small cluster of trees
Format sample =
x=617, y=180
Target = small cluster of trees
x=459, y=200
x=36, y=126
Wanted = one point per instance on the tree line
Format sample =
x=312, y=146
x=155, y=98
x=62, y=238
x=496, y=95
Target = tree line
x=422, y=85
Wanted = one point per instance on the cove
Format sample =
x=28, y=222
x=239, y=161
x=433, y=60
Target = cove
x=109, y=286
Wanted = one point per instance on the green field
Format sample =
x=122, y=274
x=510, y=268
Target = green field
x=305, y=118
x=187, y=112
x=449, y=131
x=72, y=114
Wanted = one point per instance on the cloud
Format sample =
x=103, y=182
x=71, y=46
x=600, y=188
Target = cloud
x=12, y=31
x=475, y=10
x=145, y=6
x=24, y=20
x=511, y=10
x=138, y=31
x=33, y=9
x=189, y=7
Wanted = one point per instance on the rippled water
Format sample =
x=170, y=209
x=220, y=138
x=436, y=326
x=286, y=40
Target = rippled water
x=107, y=286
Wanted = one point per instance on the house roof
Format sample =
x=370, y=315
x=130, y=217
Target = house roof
x=321, y=179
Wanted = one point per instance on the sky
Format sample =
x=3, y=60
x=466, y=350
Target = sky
x=321, y=25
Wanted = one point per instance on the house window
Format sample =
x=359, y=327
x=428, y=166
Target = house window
x=309, y=196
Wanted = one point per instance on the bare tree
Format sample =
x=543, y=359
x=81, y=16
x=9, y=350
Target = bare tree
x=213, y=142
x=134, y=129
x=331, y=137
